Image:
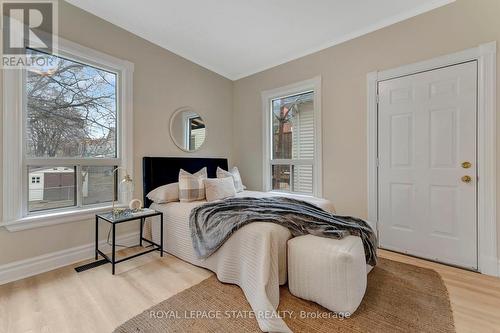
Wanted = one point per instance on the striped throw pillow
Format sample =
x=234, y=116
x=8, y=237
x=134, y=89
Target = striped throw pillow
x=191, y=186
x=235, y=174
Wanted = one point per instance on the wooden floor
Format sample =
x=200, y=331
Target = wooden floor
x=95, y=301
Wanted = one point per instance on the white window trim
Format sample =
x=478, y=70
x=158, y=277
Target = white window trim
x=13, y=174
x=313, y=84
x=485, y=55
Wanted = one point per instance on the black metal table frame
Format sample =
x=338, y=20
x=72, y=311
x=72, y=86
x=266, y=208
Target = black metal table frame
x=112, y=260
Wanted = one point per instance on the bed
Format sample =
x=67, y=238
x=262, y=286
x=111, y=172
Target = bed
x=254, y=258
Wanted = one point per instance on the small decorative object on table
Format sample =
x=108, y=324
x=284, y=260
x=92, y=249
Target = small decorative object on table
x=135, y=205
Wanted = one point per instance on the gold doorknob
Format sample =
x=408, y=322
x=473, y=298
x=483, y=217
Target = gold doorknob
x=466, y=165
x=466, y=179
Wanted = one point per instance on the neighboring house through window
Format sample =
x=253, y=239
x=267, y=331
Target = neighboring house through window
x=292, y=141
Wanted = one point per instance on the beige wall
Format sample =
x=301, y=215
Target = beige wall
x=458, y=26
x=162, y=83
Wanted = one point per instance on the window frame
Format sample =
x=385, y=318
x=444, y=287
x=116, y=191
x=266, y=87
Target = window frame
x=15, y=173
x=187, y=129
x=268, y=96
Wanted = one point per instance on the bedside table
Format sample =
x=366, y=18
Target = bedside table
x=118, y=219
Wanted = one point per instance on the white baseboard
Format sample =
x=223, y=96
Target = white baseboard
x=24, y=268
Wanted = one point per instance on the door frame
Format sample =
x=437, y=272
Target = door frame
x=485, y=55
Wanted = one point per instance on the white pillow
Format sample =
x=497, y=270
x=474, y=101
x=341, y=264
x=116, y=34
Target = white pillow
x=235, y=175
x=219, y=188
x=165, y=193
x=191, y=186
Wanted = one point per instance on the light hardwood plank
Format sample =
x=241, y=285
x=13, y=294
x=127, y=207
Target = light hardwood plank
x=95, y=300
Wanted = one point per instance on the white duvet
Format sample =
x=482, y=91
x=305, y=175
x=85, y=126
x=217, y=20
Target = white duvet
x=254, y=258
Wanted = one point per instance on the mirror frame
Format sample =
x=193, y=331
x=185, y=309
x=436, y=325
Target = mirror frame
x=183, y=109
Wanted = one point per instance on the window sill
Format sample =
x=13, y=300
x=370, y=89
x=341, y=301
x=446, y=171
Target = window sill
x=284, y=193
x=48, y=219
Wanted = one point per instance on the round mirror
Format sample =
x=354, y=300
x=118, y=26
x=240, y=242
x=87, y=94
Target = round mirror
x=187, y=129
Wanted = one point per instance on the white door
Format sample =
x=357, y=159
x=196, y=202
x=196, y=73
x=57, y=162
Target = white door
x=427, y=164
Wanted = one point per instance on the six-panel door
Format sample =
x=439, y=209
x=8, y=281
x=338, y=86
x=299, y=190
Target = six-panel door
x=427, y=164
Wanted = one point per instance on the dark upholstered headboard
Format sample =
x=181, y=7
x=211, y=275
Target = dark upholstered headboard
x=158, y=171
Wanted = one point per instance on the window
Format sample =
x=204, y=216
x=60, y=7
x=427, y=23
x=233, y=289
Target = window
x=57, y=191
x=292, y=141
x=75, y=120
x=71, y=116
x=97, y=184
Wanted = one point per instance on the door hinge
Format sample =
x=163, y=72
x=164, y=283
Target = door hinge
x=377, y=98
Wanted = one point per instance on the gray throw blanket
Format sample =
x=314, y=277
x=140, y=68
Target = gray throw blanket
x=213, y=223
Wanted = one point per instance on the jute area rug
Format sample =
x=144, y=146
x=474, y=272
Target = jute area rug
x=399, y=298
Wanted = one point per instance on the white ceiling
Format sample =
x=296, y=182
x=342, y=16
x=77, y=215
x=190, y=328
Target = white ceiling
x=237, y=38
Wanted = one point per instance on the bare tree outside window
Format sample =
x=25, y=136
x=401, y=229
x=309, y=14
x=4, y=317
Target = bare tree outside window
x=71, y=113
x=71, y=110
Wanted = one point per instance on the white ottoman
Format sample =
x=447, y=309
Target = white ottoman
x=330, y=272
